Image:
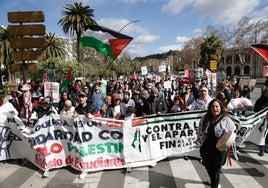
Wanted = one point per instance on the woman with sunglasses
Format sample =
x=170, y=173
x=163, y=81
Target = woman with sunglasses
x=187, y=97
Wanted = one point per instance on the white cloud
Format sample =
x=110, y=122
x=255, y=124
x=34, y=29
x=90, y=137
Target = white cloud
x=170, y=47
x=197, y=31
x=182, y=39
x=225, y=12
x=147, y=38
x=175, y=6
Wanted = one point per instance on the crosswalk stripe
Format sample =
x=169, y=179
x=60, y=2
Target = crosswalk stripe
x=19, y=176
x=137, y=178
x=9, y=169
x=36, y=181
x=241, y=178
x=184, y=169
x=92, y=178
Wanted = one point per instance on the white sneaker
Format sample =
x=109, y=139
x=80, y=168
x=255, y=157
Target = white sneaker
x=82, y=175
x=45, y=174
x=219, y=186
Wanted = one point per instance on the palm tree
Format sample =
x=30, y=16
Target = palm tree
x=55, y=46
x=75, y=17
x=5, y=52
x=210, y=49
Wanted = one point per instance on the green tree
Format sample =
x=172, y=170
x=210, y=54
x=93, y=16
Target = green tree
x=55, y=46
x=61, y=68
x=75, y=17
x=210, y=49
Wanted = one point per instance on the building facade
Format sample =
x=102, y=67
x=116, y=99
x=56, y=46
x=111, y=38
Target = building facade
x=243, y=62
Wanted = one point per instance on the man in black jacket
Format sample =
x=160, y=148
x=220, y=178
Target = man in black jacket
x=260, y=104
x=155, y=105
x=84, y=108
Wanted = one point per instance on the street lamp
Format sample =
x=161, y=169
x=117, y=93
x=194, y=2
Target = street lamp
x=129, y=48
x=256, y=57
x=127, y=25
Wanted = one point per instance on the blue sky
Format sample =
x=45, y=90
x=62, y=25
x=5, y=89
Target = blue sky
x=163, y=24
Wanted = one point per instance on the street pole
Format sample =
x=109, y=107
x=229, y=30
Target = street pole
x=119, y=32
x=256, y=56
x=127, y=25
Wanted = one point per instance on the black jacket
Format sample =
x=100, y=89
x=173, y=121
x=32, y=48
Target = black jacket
x=152, y=106
x=261, y=103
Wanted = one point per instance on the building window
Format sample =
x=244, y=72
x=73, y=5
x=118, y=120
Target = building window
x=247, y=58
x=237, y=59
x=237, y=71
x=246, y=70
x=229, y=72
x=229, y=59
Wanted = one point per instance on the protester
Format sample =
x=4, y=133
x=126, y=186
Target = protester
x=260, y=104
x=63, y=97
x=177, y=105
x=45, y=108
x=5, y=105
x=84, y=108
x=15, y=100
x=187, y=97
x=97, y=97
x=201, y=103
x=227, y=90
x=117, y=110
x=240, y=105
x=87, y=90
x=127, y=100
x=27, y=102
x=139, y=103
x=221, y=96
x=68, y=109
x=155, y=105
x=211, y=127
x=130, y=113
x=106, y=104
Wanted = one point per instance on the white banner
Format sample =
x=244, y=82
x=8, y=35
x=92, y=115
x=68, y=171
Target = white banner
x=144, y=70
x=51, y=89
x=99, y=143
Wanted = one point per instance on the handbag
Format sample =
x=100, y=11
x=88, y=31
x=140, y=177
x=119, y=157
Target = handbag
x=206, y=145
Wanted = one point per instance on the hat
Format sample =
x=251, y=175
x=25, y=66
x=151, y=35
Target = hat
x=81, y=93
x=26, y=87
x=226, y=141
x=116, y=96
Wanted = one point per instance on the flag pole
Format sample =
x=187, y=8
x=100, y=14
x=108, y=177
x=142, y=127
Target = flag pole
x=109, y=66
x=114, y=59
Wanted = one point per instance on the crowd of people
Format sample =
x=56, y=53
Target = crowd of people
x=130, y=98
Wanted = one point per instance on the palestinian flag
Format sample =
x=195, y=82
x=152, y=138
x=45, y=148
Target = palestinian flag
x=104, y=40
x=68, y=79
x=261, y=49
